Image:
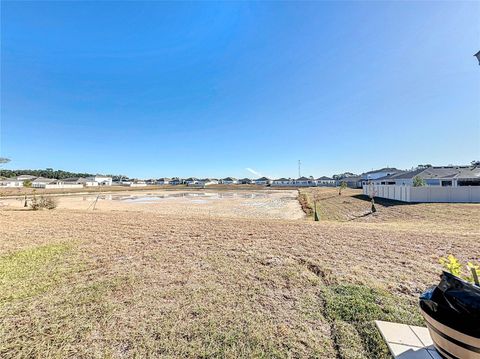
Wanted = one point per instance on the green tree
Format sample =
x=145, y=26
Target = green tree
x=418, y=181
x=343, y=185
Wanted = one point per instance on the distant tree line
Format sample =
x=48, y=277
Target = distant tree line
x=50, y=173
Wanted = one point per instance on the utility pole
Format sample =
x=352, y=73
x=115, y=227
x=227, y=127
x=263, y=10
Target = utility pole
x=299, y=165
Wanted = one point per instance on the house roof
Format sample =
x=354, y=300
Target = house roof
x=385, y=169
x=191, y=179
x=43, y=180
x=229, y=179
x=262, y=179
x=303, y=179
x=445, y=172
x=74, y=179
x=324, y=178
x=351, y=179
x=469, y=173
x=245, y=179
x=25, y=177
x=402, y=175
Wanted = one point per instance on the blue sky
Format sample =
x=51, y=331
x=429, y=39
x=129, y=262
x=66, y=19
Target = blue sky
x=152, y=89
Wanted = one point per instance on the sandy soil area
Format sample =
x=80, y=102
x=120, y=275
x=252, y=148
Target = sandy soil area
x=198, y=203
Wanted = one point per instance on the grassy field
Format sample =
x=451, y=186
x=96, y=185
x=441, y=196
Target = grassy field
x=119, y=284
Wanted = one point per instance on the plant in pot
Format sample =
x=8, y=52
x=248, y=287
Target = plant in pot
x=452, y=310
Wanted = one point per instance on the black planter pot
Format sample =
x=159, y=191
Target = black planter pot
x=452, y=313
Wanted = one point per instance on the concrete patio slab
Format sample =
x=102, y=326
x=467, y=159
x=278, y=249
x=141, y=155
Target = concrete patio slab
x=407, y=341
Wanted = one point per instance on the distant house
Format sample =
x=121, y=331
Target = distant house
x=26, y=178
x=207, y=181
x=138, y=183
x=304, y=182
x=245, y=181
x=176, y=181
x=133, y=183
x=101, y=180
x=57, y=184
x=325, y=181
x=376, y=174
x=283, y=182
x=262, y=181
x=163, y=181
x=151, y=182
x=229, y=180
x=41, y=182
x=11, y=182
x=191, y=181
x=352, y=182
x=86, y=182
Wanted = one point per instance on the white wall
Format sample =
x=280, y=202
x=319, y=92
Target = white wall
x=425, y=193
x=63, y=185
x=11, y=183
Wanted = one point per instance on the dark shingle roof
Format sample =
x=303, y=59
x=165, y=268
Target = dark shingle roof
x=385, y=169
x=351, y=179
x=446, y=172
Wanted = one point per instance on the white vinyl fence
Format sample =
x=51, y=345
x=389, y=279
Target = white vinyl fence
x=470, y=194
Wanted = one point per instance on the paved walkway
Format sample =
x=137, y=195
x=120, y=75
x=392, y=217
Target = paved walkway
x=407, y=341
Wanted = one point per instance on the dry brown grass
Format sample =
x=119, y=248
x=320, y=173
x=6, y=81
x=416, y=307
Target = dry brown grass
x=125, y=284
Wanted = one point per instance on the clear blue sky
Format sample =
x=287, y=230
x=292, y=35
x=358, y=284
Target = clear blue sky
x=153, y=89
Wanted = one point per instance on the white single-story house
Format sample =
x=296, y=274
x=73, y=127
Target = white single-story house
x=87, y=182
x=133, y=183
x=283, y=182
x=11, y=182
x=376, y=174
x=444, y=176
x=191, y=181
x=41, y=182
x=176, y=181
x=163, y=181
x=62, y=184
x=229, y=180
x=101, y=180
x=262, y=181
x=304, y=182
x=325, y=181
x=207, y=181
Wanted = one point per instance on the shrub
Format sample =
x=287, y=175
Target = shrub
x=452, y=265
x=43, y=202
x=418, y=182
